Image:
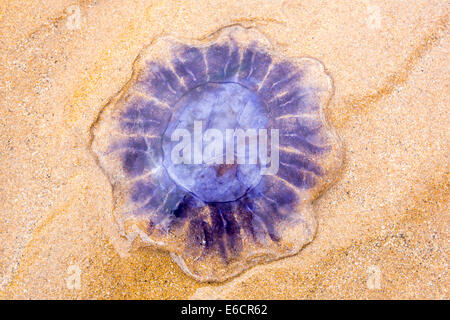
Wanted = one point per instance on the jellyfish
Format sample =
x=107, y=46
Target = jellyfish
x=216, y=150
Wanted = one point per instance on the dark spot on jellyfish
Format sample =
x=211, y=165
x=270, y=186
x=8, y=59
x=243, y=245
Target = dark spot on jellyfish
x=189, y=205
x=134, y=162
x=216, y=205
x=221, y=169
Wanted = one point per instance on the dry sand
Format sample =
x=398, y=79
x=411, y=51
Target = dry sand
x=383, y=227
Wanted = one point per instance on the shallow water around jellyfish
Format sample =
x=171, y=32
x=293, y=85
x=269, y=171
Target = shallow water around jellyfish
x=169, y=143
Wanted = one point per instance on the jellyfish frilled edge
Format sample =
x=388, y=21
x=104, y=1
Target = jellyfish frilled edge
x=215, y=216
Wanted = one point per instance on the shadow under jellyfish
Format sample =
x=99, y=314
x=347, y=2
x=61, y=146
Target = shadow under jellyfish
x=169, y=143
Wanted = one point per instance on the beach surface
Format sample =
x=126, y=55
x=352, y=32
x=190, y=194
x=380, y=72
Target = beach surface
x=383, y=227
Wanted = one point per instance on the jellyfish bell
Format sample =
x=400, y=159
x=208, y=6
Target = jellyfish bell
x=178, y=145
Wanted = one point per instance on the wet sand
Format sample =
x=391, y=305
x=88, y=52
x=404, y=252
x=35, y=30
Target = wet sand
x=382, y=228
